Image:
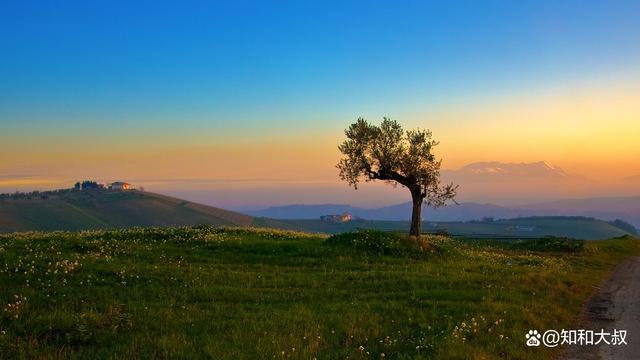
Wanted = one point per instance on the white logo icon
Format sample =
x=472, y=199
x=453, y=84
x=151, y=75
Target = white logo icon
x=533, y=338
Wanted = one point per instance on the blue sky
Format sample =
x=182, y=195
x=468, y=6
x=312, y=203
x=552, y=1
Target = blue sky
x=170, y=85
x=73, y=64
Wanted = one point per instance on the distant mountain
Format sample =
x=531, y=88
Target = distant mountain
x=498, y=170
x=99, y=209
x=625, y=208
x=496, y=181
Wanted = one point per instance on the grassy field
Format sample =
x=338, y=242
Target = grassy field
x=528, y=227
x=246, y=294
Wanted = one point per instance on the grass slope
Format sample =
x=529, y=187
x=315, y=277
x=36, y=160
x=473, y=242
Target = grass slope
x=247, y=294
x=573, y=227
x=109, y=209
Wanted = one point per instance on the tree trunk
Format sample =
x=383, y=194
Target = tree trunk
x=416, y=214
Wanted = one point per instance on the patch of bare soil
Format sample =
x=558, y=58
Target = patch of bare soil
x=615, y=306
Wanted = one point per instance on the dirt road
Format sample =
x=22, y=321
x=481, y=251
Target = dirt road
x=615, y=306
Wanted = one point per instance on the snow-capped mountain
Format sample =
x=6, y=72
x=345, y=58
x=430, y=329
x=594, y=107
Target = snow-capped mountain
x=498, y=170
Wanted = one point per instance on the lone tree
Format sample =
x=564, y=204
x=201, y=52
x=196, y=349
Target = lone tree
x=390, y=154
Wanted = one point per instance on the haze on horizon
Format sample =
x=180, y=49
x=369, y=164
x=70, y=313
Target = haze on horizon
x=243, y=105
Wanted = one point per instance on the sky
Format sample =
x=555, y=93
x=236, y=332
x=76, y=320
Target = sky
x=242, y=104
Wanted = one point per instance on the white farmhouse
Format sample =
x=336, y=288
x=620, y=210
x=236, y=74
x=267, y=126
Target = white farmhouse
x=120, y=186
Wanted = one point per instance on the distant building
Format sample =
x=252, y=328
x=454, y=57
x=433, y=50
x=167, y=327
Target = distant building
x=343, y=218
x=120, y=186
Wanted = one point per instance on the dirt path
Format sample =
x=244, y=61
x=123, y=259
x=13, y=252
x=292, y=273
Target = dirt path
x=615, y=306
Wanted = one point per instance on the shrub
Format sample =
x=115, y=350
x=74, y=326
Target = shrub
x=375, y=242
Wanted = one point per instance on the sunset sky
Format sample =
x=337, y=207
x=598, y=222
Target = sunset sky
x=243, y=105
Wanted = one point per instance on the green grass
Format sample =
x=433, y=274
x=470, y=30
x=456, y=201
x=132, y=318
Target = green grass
x=244, y=294
x=542, y=244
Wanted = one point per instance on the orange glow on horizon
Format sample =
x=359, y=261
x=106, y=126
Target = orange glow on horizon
x=592, y=133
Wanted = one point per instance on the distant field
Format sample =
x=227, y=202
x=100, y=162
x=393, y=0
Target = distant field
x=247, y=294
x=104, y=209
x=533, y=227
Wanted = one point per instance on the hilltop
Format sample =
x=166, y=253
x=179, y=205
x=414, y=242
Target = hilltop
x=105, y=209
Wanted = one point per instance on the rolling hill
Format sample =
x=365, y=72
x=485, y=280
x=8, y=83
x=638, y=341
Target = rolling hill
x=606, y=208
x=103, y=209
x=106, y=209
x=524, y=228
